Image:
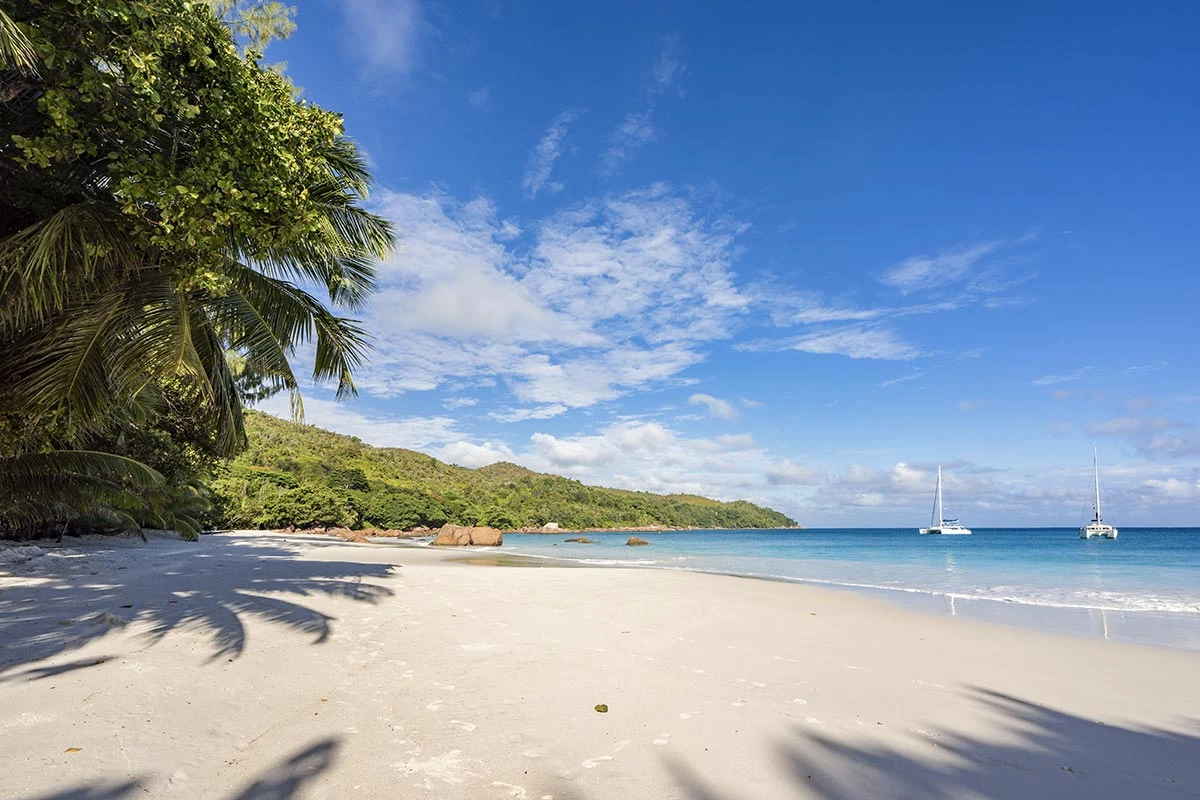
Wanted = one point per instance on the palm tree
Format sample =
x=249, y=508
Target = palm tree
x=92, y=319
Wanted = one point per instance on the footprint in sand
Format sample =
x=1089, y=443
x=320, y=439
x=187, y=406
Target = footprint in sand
x=595, y=762
x=469, y=727
x=511, y=789
x=689, y=714
x=799, y=701
x=663, y=738
x=435, y=705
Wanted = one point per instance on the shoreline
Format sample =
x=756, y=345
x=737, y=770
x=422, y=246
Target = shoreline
x=243, y=663
x=1167, y=629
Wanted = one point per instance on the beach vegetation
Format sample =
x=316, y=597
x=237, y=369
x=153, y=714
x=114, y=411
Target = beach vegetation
x=174, y=224
x=397, y=488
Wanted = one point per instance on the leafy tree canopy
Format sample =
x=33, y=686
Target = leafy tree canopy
x=164, y=200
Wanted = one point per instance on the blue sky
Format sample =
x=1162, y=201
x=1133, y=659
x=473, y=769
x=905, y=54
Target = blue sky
x=799, y=254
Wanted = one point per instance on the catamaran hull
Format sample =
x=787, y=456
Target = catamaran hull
x=1097, y=532
x=945, y=531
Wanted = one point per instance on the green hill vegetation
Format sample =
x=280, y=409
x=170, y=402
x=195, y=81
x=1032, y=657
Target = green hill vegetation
x=292, y=474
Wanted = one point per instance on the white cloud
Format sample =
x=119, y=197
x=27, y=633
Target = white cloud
x=649, y=456
x=717, y=408
x=748, y=403
x=788, y=474
x=930, y=272
x=460, y=402
x=1153, y=437
x=521, y=414
x=1174, y=489
x=604, y=297
x=384, y=34
x=470, y=454
x=542, y=157
x=416, y=433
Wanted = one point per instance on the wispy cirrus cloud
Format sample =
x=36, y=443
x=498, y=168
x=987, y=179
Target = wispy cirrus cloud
x=635, y=131
x=912, y=376
x=480, y=97
x=522, y=414
x=545, y=153
x=853, y=341
x=1095, y=373
x=924, y=272
x=875, y=331
x=638, y=128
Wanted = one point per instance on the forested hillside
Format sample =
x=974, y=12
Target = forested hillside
x=293, y=474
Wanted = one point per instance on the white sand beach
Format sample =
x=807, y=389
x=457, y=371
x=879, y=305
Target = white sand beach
x=264, y=666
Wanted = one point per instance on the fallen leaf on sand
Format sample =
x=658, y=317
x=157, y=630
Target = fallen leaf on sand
x=602, y=708
x=72, y=749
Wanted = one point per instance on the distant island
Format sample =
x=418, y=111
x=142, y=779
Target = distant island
x=294, y=475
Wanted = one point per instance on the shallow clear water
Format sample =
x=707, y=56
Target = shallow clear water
x=1144, y=570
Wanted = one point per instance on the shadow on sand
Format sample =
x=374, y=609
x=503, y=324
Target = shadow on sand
x=168, y=591
x=1029, y=751
x=281, y=783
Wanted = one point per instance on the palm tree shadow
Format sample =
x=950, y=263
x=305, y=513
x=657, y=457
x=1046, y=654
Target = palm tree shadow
x=1025, y=751
x=1028, y=750
x=281, y=783
x=69, y=610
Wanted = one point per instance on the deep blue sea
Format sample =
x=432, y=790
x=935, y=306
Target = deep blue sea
x=1145, y=585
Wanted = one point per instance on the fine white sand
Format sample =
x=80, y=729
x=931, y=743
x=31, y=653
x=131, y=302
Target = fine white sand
x=263, y=666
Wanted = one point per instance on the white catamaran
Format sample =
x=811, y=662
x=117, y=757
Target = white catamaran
x=938, y=524
x=1097, y=527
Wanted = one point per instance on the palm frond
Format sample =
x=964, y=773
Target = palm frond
x=267, y=318
x=51, y=263
x=66, y=486
x=16, y=51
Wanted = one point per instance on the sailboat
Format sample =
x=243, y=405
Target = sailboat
x=937, y=523
x=1097, y=527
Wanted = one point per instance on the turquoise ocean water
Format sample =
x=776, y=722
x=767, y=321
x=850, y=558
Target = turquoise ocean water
x=1143, y=586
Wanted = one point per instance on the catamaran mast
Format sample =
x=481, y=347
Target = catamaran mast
x=939, y=496
x=1096, y=478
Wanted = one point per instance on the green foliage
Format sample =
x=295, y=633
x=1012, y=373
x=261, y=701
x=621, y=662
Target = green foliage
x=312, y=507
x=399, y=509
x=349, y=479
x=405, y=489
x=162, y=197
